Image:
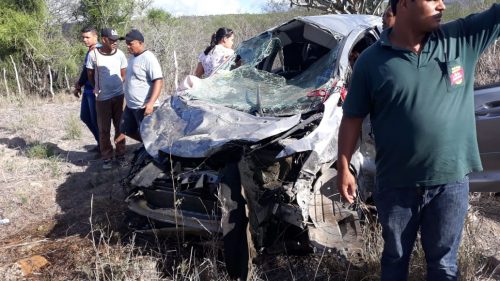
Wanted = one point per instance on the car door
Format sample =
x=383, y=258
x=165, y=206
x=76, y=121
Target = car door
x=487, y=110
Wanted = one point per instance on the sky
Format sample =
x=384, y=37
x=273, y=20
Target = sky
x=209, y=7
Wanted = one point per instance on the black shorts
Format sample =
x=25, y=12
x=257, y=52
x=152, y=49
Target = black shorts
x=131, y=120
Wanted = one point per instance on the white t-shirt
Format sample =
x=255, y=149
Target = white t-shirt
x=142, y=70
x=218, y=55
x=107, y=74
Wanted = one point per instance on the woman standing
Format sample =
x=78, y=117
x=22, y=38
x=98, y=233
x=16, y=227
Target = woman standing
x=218, y=52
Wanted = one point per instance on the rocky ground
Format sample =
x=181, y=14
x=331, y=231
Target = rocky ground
x=58, y=201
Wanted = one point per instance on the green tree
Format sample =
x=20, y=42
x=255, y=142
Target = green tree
x=20, y=25
x=110, y=13
x=158, y=16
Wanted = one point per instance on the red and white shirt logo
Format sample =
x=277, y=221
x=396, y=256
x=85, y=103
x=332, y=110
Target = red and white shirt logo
x=457, y=75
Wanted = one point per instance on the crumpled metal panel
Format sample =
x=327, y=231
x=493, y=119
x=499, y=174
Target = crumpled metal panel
x=323, y=140
x=191, y=220
x=304, y=195
x=195, y=129
x=334, y=225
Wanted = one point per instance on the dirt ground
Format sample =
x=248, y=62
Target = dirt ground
x=49, y=201
x=54, y=203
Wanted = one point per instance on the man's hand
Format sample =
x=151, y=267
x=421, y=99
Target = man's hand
x=148, y=109
x=120, y=138
x=77, y=92
x=349, y=132
x=346, y=184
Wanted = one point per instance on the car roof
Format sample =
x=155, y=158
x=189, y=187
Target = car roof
x=342, y=23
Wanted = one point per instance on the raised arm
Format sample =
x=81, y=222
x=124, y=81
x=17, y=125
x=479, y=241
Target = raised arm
x=478, y=30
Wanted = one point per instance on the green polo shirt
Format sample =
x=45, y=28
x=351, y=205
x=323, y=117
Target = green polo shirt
x=421, y=105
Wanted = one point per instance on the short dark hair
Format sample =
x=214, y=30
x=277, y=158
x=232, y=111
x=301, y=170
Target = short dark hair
x=89, y=29
x=393, y=4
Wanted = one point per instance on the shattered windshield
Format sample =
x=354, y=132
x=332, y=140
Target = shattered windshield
x=247, y=88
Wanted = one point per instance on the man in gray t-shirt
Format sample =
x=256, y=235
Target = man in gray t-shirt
x=142, y=85
x=106, y=69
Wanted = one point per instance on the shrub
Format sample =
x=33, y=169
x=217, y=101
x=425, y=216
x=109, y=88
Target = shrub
x=39, y=151
x=72, y=128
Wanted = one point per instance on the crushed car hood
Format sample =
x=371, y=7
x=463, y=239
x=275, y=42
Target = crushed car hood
x=195, y=129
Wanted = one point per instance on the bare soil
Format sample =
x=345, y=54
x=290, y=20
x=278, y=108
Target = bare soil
x=53, y=204
x=49, y=202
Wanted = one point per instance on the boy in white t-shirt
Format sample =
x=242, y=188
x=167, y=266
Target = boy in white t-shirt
x=106, y=70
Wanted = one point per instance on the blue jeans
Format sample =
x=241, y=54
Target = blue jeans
x=88, y=114
x=438, y=211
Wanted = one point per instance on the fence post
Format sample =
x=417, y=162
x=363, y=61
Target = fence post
x=19, y=89
x=176, y=77
x=5, y=81
x=66, y=78
x=50, y=82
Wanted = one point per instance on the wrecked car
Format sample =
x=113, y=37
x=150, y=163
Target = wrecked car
x=256, y=145
x=249, y=153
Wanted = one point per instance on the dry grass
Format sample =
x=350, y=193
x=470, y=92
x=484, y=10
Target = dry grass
x=47, y=198
x=197, y=262
x=488, y=67
x=73, y=128
x=110, y=261
x=151, y=258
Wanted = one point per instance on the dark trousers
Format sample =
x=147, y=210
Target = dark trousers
x=438, y=212
x=107, y=111
x=88, y=114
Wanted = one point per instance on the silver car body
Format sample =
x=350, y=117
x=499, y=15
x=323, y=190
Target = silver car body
x=293, y=76
x=276, y=93
x=487, y=105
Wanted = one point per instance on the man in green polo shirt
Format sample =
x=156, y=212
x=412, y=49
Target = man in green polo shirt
x=416, y=83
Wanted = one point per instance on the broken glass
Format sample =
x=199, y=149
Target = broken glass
x=263, y=93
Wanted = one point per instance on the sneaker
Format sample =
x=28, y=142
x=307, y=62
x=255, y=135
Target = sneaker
x=122, y=161
x=107, y=164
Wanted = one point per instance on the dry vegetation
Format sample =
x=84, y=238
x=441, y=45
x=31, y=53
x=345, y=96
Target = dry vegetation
x=63, y=207
x=488, y=67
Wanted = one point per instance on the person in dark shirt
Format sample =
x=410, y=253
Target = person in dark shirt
x=88, y=112
x=417, y=83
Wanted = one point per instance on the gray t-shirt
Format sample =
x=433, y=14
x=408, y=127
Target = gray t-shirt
x=142, y=70
x=107, y=73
